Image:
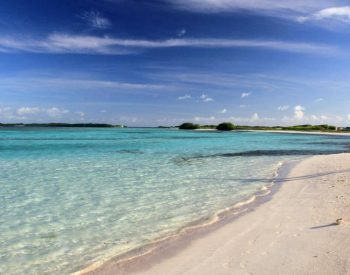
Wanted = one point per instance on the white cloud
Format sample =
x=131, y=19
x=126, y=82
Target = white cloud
x=242, y=106
x=5, y=109
x=313, y=119
x=299, y=112
x=283, y=108
x=53, y=112
x=81, y=114
x=85, y=44
x=253, y=120
x=28, y=111
x=206, y=98
x=223, y=111
x=95, y=20
x=36, y=113
x=181, y=33
x=48, y=83
x=339, y=118
x=56, y=112
x=184, y=97
x=285, y=8
x=341, y=14
x=244, y=95
x=203, y=119
x=255, y=117
x=348, y=117
x=7, y=113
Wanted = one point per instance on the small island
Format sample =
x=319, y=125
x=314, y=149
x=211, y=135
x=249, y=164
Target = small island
x=228, y=126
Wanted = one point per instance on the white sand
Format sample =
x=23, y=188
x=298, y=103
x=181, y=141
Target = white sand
x=293, y=233
x=303, y=132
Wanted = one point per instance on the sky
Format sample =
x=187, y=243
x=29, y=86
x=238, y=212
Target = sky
x=165, y=62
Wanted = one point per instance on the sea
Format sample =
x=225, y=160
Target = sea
x=71, y=197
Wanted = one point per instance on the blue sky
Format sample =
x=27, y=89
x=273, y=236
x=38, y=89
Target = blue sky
x=164, y=62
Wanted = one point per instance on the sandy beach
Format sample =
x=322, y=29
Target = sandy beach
x=303, y=132
x=285, y=132
x=295, y=232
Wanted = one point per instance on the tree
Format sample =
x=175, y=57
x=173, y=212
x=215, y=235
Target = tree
x=188, y=126
x=226, y=126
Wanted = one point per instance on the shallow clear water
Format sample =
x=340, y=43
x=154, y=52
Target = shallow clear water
x=70, y=196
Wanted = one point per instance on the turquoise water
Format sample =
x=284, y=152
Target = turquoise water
x=71, y=197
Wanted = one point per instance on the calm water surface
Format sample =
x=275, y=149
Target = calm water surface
x=72, y=196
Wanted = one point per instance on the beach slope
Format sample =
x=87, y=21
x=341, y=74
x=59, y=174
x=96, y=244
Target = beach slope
x=293, y=233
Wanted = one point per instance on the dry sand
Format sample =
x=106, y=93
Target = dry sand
x=293, y=233
x=303, y=132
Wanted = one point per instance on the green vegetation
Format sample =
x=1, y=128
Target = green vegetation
x=307, y=127
x=87, y=125
x=207, y=126
x=226, y=126
x=188, y=126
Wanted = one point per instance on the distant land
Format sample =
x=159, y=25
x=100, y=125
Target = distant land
x=227, y=126
x=82, y=125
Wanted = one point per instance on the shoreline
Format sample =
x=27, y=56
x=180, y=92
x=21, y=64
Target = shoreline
x=179, y=254
x=149, y=254
x=283, y=132
x=301, y=132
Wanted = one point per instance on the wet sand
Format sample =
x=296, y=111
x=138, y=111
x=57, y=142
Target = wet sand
x=293, y=232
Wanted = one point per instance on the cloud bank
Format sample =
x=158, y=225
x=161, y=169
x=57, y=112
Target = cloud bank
x=86, y=44
x=278, y=8
x=32, y=113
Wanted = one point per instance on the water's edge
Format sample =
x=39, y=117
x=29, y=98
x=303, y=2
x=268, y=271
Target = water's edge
x=145, y=256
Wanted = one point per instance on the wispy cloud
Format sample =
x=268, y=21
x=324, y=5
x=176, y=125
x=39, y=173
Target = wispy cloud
x=285, y=8
x=47, y=83
x=320, y=99
x=244, y=95
x=206, y=98
x=341, y=14
x=283, y=108
x=66, y=43
x=181, y=32
x=95, y=20
x=184, y=97
x=223, y=111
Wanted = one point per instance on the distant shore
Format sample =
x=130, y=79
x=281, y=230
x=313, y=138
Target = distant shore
x=296, y=232
x=285, y=132
x=302, y=132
